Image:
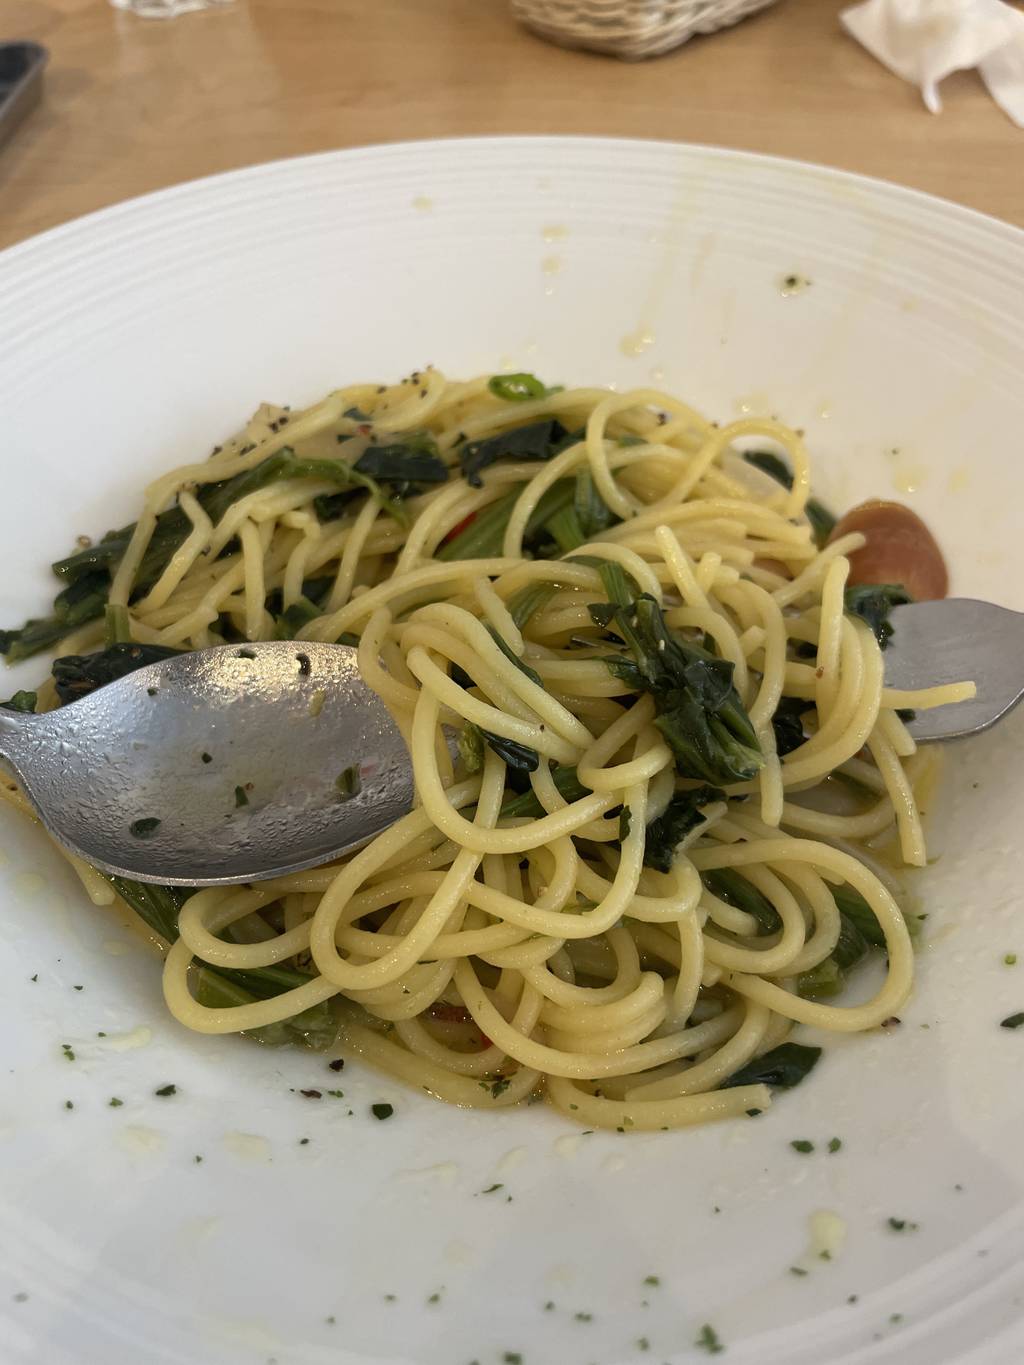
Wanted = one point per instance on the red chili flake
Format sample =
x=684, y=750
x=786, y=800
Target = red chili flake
x=458, y=529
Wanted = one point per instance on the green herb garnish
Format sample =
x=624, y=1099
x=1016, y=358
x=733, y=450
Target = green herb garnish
x=782, y=1068
x=708, y=1340
x=517, y=388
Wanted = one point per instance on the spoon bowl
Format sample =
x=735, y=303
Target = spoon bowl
x=222, y=765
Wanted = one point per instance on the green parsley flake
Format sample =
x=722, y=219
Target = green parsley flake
x=512, y=1358
x=497, y=1087
x=1010, y=959
x=583, y=1317
x=1012, y=1020
x=802, y=1145
x=68, y=1051
x=114, y=1102
x=241, y=799
x=166, y=1090
x=901, y=1225
x=798, y=1270
x=642, y=1344
x=834, y=1144
x=652, y=1279
x=708, y=1340
x=491, y=1188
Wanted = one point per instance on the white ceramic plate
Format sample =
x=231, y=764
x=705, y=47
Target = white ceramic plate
x=132, y=340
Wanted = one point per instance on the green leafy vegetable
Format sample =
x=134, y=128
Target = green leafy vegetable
x=733, y=888
x=315, y=1027
x=76, y=675
x=821, y=519
x=21, y=701
x=402, y=466
x=517, y=388
x=873, y=602
x=851, y=945
x=1012, y=1020
x=698, y=709
x=788, y=724
x=782, y=1068
x=518, y=756
x=218, y=987
x=514, y=658
x=471, y=747
x=87, y=572
x=592, y=512
x=855, y=909
x=526, y=805
x=535, y=441
x=118, y=623
x=529, y=601
x=680, y=817
x=822, y=981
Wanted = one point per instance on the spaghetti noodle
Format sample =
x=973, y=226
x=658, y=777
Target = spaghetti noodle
x=635, y=878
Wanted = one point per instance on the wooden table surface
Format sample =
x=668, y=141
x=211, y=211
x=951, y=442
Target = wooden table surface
x=134, y=104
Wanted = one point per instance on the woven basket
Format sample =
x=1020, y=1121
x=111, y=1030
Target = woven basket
x=630, y=28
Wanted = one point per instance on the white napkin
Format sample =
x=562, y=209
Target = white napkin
x=924, y=40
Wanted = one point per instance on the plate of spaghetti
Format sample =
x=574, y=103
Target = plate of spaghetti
x=674, y=1017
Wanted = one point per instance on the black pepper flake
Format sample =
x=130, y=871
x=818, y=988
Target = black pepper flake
x=151, y=691
x=305, y=667
x=893, y=1021
x=68, y=1104
x=382, y=1111
x=240, y=798
x=338, y=1064
x=311, y=1094
x=207, y=758
x=303, y=1142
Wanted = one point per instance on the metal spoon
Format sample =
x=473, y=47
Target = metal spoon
x=217, y=766
x=235, y=753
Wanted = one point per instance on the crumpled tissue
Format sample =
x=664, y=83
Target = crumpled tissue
x=924, y=40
